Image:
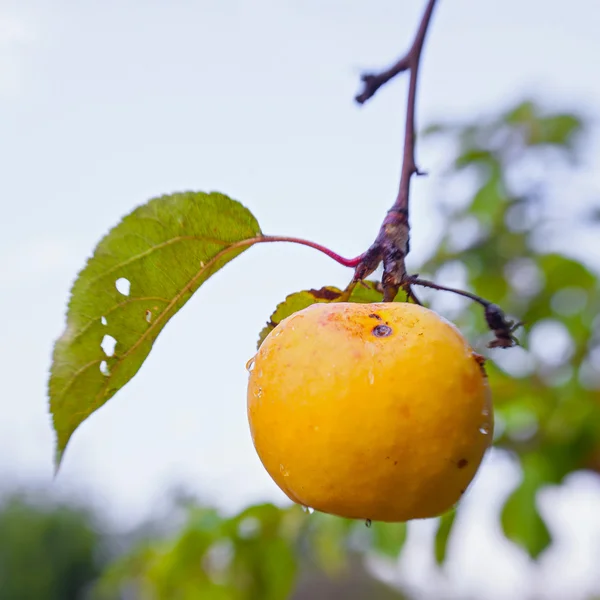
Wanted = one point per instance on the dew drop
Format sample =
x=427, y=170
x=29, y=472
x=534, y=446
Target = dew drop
x=308, y=510
x=202, y=265
x=149, y=316
x=103, y=321
x=250, y=365
x=104, y=368
x=258, y=393
x=485, y=429
x=123, y=286
x=368, y=523
x=284, y=471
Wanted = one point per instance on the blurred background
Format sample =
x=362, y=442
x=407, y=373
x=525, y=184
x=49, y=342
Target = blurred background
x=161, y=495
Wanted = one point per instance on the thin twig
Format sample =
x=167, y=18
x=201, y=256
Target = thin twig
x=499, y=324
x=410, y=293
x=409, y=167
x=414, y=280
x=409, y=62
x=392, y=243
x=373, y=81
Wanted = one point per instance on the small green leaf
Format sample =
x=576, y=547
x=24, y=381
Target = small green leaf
x=442, y=535
x=476, y=155
x=521, y=520
x=329, y=541
x=389, y=538
x=560, y=271
x=142, y=272
x=271, y=566
x=489, y=202
x=557, y=130
x=523, y=113
x=436, y=129
x=300, y=300
x=263, y=564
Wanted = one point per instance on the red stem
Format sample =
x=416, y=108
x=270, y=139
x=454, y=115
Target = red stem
x=346, y=262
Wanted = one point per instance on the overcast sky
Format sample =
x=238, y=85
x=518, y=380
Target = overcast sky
x=106, y=104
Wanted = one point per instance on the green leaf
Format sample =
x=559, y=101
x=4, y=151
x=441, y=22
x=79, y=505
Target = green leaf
x=489, y=202
x=271, y=565
x=301, y=300
x=436, y=129
x=329, y=541
x=263, y=564
x=165, y=250
x=523, y=113
x=389, y=538
x=557, y=130
x=442, y=535
x=521, y=520
x=560, y=271
x=475, y=156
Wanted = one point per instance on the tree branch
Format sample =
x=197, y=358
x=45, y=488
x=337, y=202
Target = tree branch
x=373, y=81
x=409, y=167
x=392, y=243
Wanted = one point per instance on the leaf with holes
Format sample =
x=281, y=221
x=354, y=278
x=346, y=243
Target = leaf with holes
x=369, y=292
x=142, y=272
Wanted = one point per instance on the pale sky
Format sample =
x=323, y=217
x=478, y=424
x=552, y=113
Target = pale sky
x=104, y=105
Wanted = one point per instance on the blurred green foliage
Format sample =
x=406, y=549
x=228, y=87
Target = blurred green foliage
x=47, y=551
x=547, y=394
x=54, y=551
x=242, y=557
x=253, y=554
